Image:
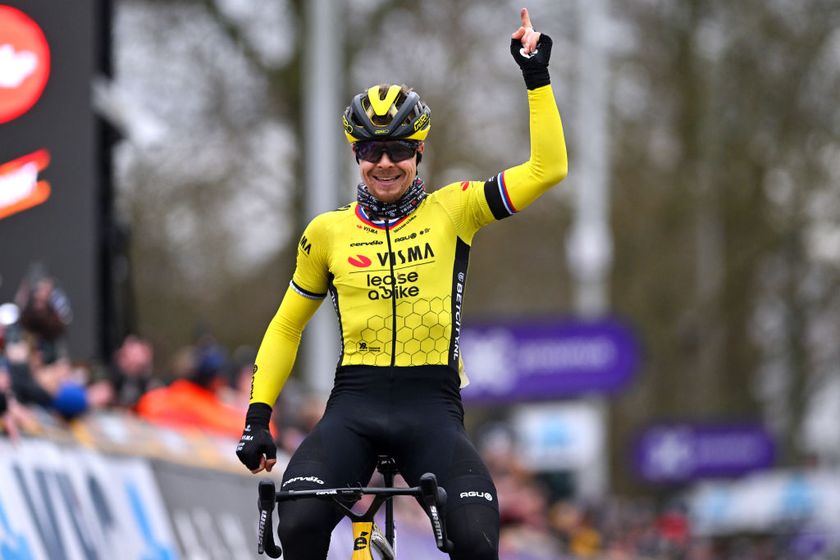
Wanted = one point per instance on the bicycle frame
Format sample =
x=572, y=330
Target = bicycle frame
x=432, y=498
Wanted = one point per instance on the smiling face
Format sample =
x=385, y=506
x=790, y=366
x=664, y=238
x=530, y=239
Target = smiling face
x=388, y=180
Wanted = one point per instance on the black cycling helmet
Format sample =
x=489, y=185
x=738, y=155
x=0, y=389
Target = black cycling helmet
x=386, y=112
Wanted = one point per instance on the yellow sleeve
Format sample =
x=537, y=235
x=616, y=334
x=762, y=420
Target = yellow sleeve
x=278, y=350
x=311, y=277
x=474, y=204
x=306, y=291
x=514, y=189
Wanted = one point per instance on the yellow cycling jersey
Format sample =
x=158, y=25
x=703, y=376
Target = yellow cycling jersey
x=398, y=288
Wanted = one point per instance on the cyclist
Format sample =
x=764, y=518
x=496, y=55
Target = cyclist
x=394, y=263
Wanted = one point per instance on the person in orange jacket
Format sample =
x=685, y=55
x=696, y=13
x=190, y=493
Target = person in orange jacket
x=193, y=402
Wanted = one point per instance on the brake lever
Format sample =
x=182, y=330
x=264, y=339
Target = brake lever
x=265, y=534
x=434, y=501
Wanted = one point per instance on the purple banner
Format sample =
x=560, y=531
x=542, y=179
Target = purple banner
x=682, y=452
x=547, y=360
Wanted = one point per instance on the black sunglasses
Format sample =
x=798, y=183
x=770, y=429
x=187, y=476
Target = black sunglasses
x=397, y=150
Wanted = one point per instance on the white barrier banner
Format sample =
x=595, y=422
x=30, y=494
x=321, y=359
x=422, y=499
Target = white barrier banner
x=61, y=503
x=764, y=502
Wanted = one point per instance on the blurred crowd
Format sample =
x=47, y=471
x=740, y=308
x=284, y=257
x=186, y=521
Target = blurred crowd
x=207, y=387
x=204, y=387
x=540, y=522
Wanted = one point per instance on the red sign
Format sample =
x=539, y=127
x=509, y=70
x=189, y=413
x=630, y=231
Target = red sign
x=24, y=63
x=20, y=188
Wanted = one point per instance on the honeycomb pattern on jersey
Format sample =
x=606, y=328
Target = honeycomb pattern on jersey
x=421, y=337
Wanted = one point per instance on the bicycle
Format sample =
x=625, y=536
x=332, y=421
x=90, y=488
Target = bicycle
x=367, y=536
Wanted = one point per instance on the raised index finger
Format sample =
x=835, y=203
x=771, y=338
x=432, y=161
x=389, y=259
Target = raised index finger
x=526, y=19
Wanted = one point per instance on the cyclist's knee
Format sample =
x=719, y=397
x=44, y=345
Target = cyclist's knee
x=307, y=519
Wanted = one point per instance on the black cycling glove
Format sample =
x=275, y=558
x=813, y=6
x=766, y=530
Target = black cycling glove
x=256, y=439
x=534, y=67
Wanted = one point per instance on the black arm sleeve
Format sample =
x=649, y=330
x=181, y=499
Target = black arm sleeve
x=535, y=67
x=26, y=389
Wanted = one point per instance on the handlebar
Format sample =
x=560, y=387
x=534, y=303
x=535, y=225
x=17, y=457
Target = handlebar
x=432, y=498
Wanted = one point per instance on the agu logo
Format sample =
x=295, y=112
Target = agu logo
x=24, y=63
x=473, y=494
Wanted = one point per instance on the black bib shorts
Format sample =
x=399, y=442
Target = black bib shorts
x=413, y=414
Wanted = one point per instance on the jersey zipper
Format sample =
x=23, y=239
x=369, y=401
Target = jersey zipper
x=393, y=296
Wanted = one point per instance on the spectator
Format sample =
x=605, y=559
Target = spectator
x=193, y=401
x=45, y=312
x=7, y=422
x=13, y=416
x=131, y=372
x=16, y=357
x=585, y=539
x=522, y=499
x=673, y=527
x=39, y=366
x=57, y=385
x=24, y=383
